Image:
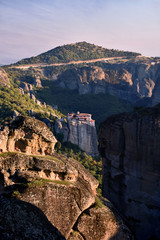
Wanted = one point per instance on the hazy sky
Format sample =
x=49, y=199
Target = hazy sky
x=30, y=27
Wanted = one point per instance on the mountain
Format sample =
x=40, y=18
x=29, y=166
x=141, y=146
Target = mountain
x=75, y=52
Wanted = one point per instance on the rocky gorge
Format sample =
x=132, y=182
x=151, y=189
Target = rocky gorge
x=44, y=195
x=129, y=145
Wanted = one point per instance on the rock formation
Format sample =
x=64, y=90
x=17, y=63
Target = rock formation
x=129, y=144
x=132, y=80
x=24, y=221
x=27, y=87
x=84, y=136
x=81, y=133
x=27, y=135
x=63, y=190
x=4, y=80
x=37, y=82
x=50, y=197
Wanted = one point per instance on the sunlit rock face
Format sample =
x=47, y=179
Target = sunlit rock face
x=131, y=80
x=63, y=192
x=50, y=197
x=80, y=132
x=27, y=135
x=129, y=145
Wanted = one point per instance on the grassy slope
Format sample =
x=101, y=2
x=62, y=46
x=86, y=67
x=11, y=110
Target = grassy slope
x=11, y=99
x=75, y=52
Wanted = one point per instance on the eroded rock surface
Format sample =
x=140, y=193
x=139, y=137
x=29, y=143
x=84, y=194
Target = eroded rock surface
x=27, y=135
x=4, y=80
x=62, y=190
x=103, y=223
x=131, y=80
x=129, y=144
x=20, y=220
x=82, y=134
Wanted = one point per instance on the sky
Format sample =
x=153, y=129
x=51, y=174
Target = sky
x=30, y=27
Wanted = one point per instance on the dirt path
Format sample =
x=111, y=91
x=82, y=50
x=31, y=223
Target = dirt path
x=60, y=64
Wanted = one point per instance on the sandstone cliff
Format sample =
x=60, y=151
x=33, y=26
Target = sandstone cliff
x=24, y=221
x=27, y=135
x=50, y=197
x=81, y=134
x=129, y=144
x=132, y=80
x=63, y=190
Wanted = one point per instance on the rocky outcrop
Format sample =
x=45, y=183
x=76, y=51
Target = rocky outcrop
x=107, y=224
x=27, y=135
x=79, y=133
x=61, y=127
x=23, y=221
x=129, y=144
x=63, y=190
x=37, y=82
x=4, y=80
x=83, y=135
x=132, y=80
x=27, y=87
x=60, y=187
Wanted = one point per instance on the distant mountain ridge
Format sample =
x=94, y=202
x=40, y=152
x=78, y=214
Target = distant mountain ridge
x=75, y=52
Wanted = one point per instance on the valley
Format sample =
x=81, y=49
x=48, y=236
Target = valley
x=52, y=107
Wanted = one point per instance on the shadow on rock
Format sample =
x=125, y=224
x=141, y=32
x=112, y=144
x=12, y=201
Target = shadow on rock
x=20, y=220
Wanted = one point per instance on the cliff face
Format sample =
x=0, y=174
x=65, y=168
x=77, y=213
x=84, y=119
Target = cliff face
x=130, y=81
x=21, y=220
x=27, y=135
x=51, y=197
x=83, y=135
x=129, y=144
x=61, y=189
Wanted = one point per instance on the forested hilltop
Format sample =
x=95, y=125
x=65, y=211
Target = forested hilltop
x=75, y=52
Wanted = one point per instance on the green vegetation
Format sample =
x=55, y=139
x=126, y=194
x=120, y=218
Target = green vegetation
x=42, y=182
x=92, y=164
x=98, y=202
x=74, y=233
x=75, y=52
x=11, y=99
x=47, y=157
x=6, y=154
x=16, y=194
x=100, y=106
